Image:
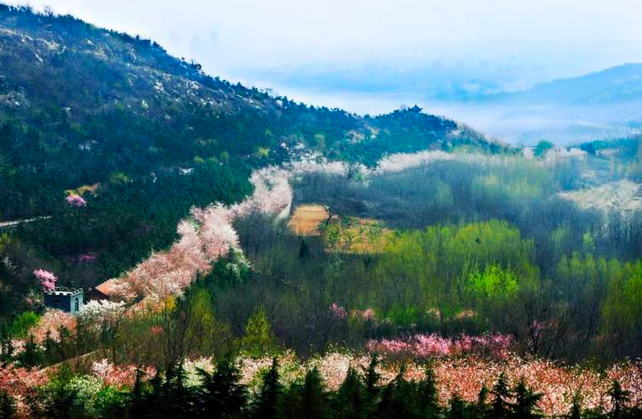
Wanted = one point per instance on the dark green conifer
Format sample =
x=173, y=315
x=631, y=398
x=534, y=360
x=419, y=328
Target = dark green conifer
x=313, y=397
x=500, y=406
x=7, y=405
x=620, y=399
x=350, y=401
x=268, y=398
x=457, y=407
x=222, y=395
x=526, y=401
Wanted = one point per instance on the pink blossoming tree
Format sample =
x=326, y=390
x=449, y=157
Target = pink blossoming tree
x=76, y=201
x=47, y=279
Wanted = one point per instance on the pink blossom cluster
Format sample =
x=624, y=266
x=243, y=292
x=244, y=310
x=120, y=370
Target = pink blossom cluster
x=76, y=201
x=51, y=322
x=368, y=314
x=557, y=383
x=338, y=311
x=19, y=382
x=433, y=345
x=118, y=375
x=86, y=258
x=47, y=279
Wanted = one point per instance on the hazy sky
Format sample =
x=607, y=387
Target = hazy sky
x=237, y=39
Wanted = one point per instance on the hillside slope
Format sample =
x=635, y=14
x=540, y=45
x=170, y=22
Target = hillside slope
x=142, y=136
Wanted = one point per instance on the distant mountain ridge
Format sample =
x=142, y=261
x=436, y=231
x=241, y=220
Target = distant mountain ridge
x=616, y=84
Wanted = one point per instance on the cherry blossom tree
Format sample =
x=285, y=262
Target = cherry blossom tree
x=76, y=201
x=47, y=279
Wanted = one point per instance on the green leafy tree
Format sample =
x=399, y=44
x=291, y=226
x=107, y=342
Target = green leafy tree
x=259, y=339
x=542, y=147
x=21, y=325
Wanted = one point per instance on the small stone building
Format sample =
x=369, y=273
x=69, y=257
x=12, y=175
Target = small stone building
x=65, y=299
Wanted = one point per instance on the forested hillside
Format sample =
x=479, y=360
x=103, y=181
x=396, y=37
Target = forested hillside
x=115, y=140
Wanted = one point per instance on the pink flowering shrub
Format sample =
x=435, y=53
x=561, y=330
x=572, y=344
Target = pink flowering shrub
x=76, y=201
x=367, y=314
x=51, y=322
x=433, y=345
x=118, y=375
x=19, y=382
x=47, y=279
x=338, y=311
x=86, y=258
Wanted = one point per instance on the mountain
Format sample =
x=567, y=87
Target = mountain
x=597, y=106
x=141, y=136
x=616, y=85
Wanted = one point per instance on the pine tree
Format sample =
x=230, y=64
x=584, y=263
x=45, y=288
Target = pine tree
x=179, y=398
x=304, y=249
x=6, y=346
x=350, y=401
x=290, y=401
x=620, y=398
x=482, y=402
x=500, y=406
x=428, y=397
x=268, y=399
x=155, y=399
x=258, y=339
x=372, y=378
x=525, y=406
x=31, y=356
x=137, y=398
x=7, y=405
x=408, y=399
x=222, y=395
x=456, y=407
x=313, y=398
x=576, y=407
